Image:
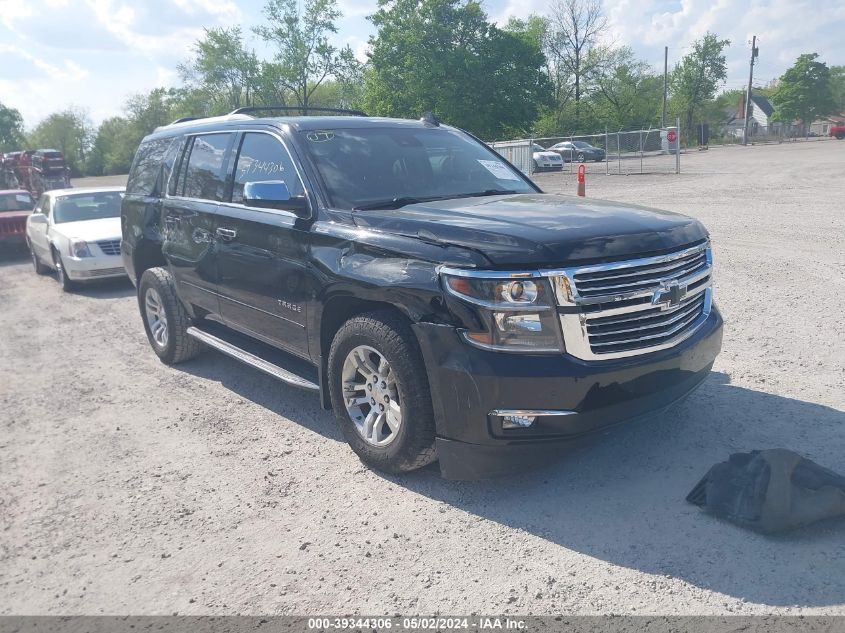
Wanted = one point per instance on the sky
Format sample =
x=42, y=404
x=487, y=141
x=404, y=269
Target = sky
x=93, y=54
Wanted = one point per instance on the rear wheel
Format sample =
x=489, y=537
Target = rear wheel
x=61, y=274
x=380, y=395
x=165, y=319
x=840, y=136
x=581, y=157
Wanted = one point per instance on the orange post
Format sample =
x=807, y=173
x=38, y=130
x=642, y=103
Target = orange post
x=582, y=180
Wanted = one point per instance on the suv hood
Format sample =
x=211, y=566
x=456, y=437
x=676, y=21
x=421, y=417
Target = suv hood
x=540, y=230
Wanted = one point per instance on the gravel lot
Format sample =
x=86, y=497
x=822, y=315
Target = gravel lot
x=130, y=487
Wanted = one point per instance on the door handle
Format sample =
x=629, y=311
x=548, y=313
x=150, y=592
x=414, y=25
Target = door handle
x=227, y=235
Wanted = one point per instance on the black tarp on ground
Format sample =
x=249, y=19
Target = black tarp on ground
x=770, y=491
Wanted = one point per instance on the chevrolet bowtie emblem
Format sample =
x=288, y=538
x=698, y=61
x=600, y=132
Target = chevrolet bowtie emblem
x=669, y=295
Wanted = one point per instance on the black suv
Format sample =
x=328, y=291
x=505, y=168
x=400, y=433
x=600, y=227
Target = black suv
x=442, y=304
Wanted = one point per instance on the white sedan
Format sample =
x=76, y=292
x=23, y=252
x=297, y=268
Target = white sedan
x=545, y=159
x=77, y=233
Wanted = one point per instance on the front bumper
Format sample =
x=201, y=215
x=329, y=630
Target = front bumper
x=468, y=383
x=97, y=267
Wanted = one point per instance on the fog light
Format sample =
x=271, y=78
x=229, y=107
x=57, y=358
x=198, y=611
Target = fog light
x=517, y=421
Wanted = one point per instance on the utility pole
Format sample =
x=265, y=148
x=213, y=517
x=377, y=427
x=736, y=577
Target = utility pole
x=748, y=108
x=665, y=83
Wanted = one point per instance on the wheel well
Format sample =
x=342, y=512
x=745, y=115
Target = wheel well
x=340, y=309
x=336, y=312
x=147, y=255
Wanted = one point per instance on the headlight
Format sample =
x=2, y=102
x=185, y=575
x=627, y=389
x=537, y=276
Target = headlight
x=517, y=313
x=79, y=248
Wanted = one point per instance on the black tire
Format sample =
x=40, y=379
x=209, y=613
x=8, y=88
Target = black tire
x=840, y=136
x=40, y=269
x=61, y=276
x=391, y=336
x=536, y=166
x=177, y=346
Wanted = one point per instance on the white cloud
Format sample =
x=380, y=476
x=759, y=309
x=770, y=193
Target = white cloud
x=94, y=53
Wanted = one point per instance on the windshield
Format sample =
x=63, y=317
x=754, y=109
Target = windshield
x=581, y=144
x=87, y=206
x=538, y=148
x=367, y=166
x=16, y=202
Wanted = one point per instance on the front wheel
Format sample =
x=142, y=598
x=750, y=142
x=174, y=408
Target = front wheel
x=840, y=136
x=380, y=394
x=40, y=269
x=165, y=319
x=61, y=274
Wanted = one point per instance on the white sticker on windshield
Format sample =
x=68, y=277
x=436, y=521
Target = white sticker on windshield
x=20, y=197
x=499, y=170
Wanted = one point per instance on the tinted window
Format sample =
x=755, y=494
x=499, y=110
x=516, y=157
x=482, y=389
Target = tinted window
x=366, y=166
x=87, y=206
x=16, y=202
x=145, y=174
x=203, y=174
x=263, y=158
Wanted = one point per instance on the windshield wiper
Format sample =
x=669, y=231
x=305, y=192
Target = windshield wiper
x=487, y=192
x=397, y=203
x=394, y=203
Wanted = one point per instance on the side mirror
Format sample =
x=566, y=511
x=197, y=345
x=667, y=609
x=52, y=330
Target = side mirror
x=38, y=217
x=274, y=194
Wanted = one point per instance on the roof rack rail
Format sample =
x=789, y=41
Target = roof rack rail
x=185, y=118
x=249, y=109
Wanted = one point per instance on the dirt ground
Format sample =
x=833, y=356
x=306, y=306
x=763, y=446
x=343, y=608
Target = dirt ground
x=130, y=487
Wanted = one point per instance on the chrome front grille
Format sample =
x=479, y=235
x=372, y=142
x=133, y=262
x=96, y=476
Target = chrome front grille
x=622, y=278
x=15, y=226
x=633, y=307
x=110, y=247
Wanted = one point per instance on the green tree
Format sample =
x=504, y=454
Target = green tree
x=11, y=129
x=572, y=40
x=695, y=79
x=114, y=147
x=837, y=87
x=803, y=92
x=444, y=56
x=70, y=132
x=627, y=94
x=145, y=112
x=304, y=58
x=223, y=69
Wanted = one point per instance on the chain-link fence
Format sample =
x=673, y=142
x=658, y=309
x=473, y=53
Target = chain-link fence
x=650, y=151
x=731, y=134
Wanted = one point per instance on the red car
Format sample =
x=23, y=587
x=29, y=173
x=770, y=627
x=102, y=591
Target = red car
x=838, y=130
x=15, y=206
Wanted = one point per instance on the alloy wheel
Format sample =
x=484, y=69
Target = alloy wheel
x=371, y=396
x=60, y=269
x=156, y=317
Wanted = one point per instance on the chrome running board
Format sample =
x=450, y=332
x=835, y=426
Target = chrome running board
x=252, y=360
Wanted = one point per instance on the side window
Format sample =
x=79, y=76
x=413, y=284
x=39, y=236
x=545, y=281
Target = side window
x=180, y=151
x=145, y=174
x=45, y=205
x=261, y=158
x=203, y=174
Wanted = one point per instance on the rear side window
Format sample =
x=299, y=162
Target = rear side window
x=145, y=176
x=203, y=169
x=263, y=158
